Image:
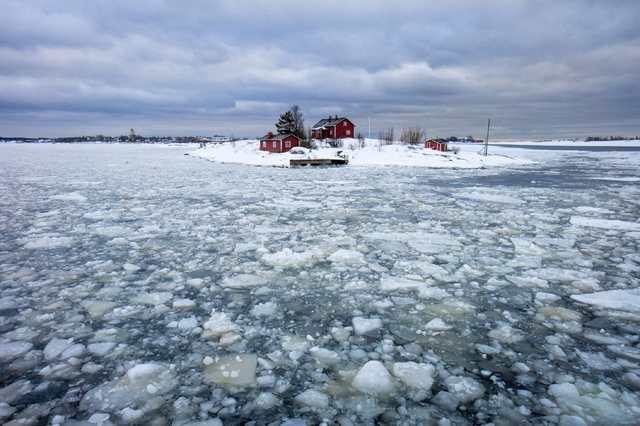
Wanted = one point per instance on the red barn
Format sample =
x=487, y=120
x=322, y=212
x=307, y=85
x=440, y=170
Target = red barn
x=333, y=128
x=437, y=144
x=278, y=143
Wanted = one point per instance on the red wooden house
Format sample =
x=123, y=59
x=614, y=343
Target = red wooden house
x=437, y=144
x=333, y=128
x=278, y=143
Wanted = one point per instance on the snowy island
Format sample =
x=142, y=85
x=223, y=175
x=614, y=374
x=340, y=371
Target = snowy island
x=373, y=153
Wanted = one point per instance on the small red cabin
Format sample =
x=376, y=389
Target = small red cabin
x=437, y=144
x=278, y=143
x=333, y=128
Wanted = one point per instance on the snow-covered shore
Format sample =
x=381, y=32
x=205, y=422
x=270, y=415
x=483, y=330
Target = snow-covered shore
x=372, y=154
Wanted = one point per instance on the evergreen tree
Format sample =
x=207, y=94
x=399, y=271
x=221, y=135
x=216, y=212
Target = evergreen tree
x=291, y=122
x=286, y=124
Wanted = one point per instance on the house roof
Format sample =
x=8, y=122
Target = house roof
x=277, y=137
x=329, y=122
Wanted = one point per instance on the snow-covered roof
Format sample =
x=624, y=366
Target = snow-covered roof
x=277, y=137
x=328, y=122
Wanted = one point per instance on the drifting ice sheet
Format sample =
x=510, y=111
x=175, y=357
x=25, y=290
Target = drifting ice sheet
x=623, y=300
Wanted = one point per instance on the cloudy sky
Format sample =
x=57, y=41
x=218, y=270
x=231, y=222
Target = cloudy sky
x=537, y=68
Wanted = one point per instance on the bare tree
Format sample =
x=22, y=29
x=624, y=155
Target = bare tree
x=298, y=120
x=308, y=141
x=386, y=136
x=412, y=135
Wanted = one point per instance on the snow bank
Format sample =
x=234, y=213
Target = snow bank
x=372, y=154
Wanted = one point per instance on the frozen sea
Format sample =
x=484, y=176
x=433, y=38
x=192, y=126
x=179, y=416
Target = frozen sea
x=142, y=286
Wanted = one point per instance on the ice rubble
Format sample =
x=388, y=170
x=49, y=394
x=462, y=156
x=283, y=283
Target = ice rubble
x=441, y=303
x=596, y=404
x=143, y=387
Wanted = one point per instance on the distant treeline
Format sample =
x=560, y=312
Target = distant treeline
x=612, y=138
x=110, y=139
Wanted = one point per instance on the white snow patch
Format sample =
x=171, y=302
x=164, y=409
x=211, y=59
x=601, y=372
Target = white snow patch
x=373, y=153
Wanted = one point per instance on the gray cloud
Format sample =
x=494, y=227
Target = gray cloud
x=538, y=68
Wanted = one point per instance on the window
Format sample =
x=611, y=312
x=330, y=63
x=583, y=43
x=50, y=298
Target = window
x=344, y=123
x=348, y=132
x=287, y=144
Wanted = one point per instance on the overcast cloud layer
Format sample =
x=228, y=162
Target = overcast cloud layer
x=538, y=68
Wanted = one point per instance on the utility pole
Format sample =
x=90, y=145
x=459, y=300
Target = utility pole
x=486, y=141
x=369, y=132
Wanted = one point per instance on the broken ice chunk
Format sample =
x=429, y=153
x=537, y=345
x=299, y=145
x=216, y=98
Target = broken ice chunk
x=374, y=379
x=243, y=281
x=217, y=325
x=97, y=308
x=437, y=324
x=152, y=299
x=347, y=257
x=414, y=375
x=135, y=389
x=313, y=398
x=363, y=325
x=237, y=370
x=12, y=350
x=266, y=309
x=324, y=356
x=101, y=349
x=463, y=388
x=183, y=304
x=623, y=300
x=506, y=334
x=55, y=347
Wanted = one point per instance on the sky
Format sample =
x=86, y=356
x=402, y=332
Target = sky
x=538, y=69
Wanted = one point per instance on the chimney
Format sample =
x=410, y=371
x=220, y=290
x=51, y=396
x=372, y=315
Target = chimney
x=270, y=135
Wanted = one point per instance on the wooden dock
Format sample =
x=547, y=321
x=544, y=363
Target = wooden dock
x=319, y=162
